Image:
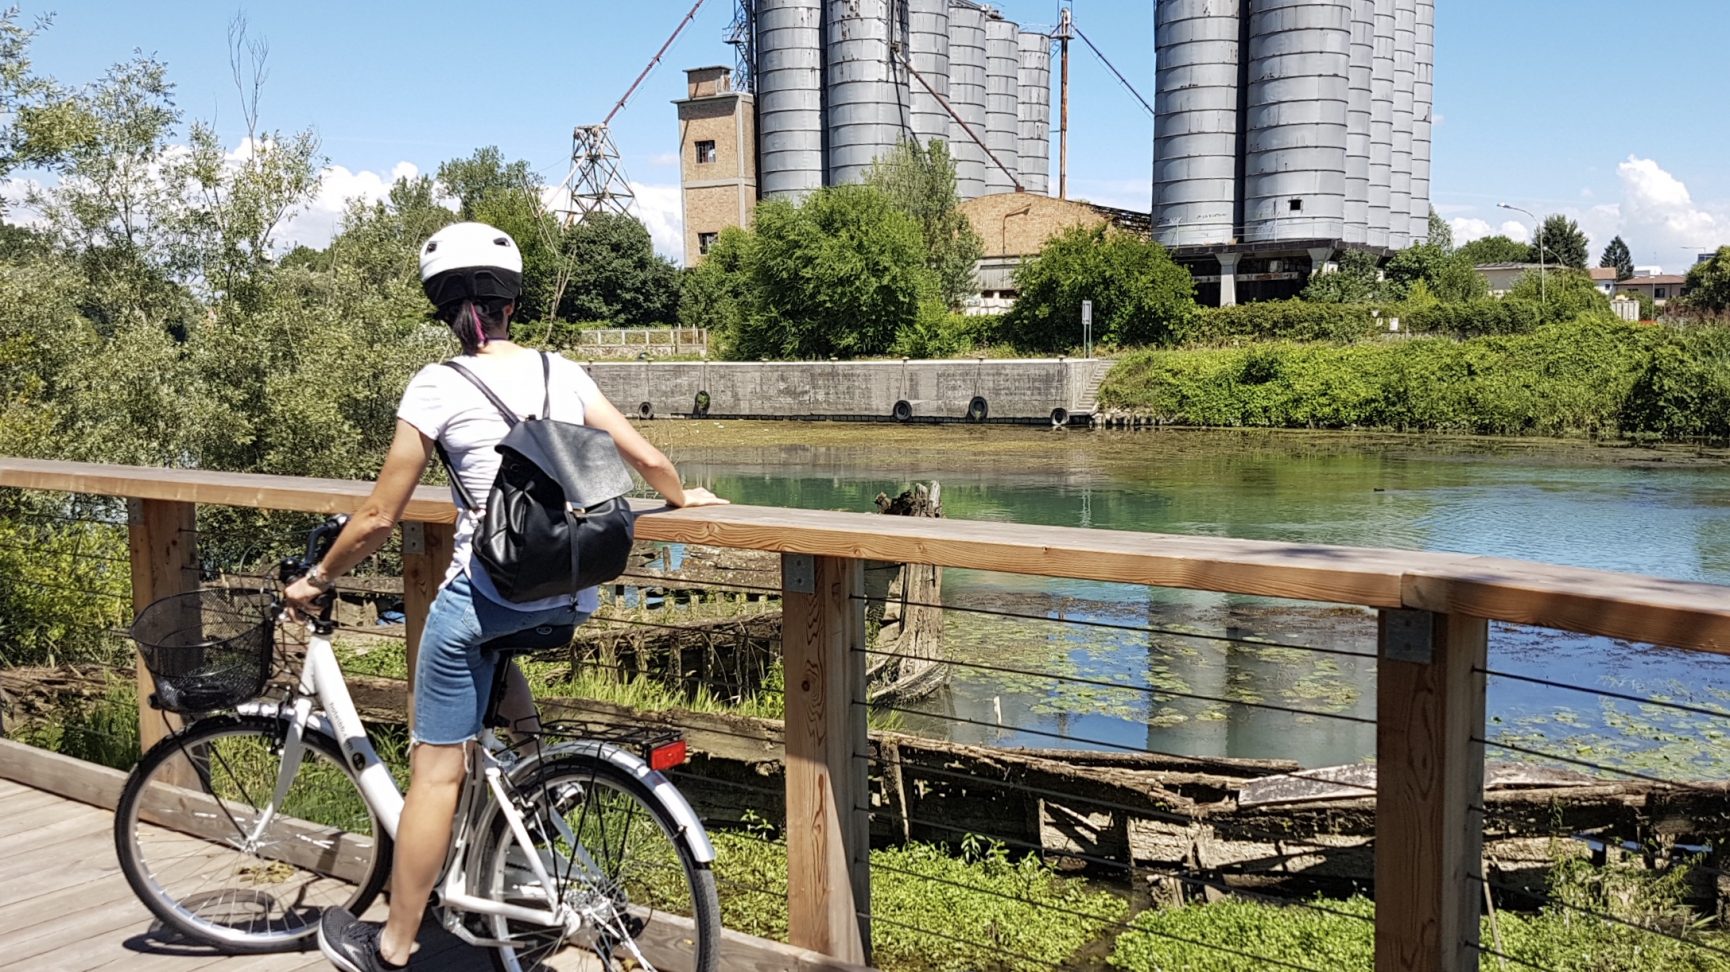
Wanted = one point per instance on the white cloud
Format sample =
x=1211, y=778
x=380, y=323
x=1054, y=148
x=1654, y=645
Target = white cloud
x=1655, y=214
x=664, y=159
x=1658, y=210
x=318, y=222
x=662, y=211
x=1469, y=228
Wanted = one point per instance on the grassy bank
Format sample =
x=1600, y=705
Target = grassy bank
x=1584, y=377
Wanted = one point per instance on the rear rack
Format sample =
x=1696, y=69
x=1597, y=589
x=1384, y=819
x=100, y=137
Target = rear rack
x=644, y=741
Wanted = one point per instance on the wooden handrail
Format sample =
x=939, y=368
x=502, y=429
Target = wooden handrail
x=1677, y=613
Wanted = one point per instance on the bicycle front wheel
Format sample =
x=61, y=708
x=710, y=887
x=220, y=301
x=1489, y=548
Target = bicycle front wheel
x=226, y=851
x=616, y=857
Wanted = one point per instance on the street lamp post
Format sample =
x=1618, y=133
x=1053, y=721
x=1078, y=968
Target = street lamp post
x=1538, y=241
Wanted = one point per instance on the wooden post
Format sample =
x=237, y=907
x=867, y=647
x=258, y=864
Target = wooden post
x=822, y=641
x=163, y=542
x=1430, y=777
x=426, y=555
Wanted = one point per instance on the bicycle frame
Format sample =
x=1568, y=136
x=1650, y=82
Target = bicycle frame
x=321, y=681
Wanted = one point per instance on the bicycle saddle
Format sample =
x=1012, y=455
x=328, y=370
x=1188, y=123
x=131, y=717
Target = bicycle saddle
x=531, y=639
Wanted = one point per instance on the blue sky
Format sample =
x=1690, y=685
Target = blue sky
x=1610, y=112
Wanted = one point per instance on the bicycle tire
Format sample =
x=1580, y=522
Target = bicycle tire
x=593, y=774
x=357, y=866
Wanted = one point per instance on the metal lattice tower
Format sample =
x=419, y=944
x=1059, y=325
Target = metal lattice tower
x=597, y=181
x=742, y=37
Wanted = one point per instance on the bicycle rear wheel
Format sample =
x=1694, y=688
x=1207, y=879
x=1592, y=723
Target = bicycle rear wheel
x=191, y=844
x=629, y=869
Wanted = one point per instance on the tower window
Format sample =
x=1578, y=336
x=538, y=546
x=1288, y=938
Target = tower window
x=1295, y=205
x=705, y=240
x=706, y=151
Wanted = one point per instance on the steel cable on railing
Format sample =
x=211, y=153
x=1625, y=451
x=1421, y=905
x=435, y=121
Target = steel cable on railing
x=1122, y=747
x=1116, y=626
x=1608, y=693
x=1128, y=867
x=1123, y=687
x=1593, y=913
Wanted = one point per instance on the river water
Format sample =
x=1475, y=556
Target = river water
x=1207, y=674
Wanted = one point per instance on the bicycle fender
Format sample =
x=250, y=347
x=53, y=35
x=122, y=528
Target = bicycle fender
x=660, y=788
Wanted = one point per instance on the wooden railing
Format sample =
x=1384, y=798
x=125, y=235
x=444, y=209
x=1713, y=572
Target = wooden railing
x=1434, y=613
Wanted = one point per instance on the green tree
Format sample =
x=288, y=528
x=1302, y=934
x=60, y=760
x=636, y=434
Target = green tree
x=1563, y=242
x=1563, y=294
x=1428, y=271
x=1139, y=295
x=1496, y=249
x=921, y=183
x=1357, y=281
x=1708, y=286
x=1441, y=234
x=841, y=274
x=1616, y=255
x=614, y=274
x=483, y=174
x=716, y=293
x=381, y=241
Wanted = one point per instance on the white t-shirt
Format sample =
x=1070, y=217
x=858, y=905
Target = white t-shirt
x=447, y=407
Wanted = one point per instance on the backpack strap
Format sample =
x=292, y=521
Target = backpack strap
x=509, y=416
x=546, y=383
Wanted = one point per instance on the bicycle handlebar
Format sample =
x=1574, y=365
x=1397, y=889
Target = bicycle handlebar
x=318, y=542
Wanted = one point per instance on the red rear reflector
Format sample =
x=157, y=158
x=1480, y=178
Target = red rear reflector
x=667, y=756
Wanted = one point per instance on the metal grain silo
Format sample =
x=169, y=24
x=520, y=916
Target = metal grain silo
x=1423, y=105
x=928, y=50
x=1295, y=133
x=789, y=86
x=1002, y=100
x=1405, y=83
x=1195, y=120
x=864, y=101
x=1358, y=121
x=1382, y=124
x=1034, y=104
x=967, y=96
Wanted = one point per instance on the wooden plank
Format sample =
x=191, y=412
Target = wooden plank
x=822, y=634
x=74, y=779
x=1430, y=773
x=668, y=942
x=1594, y=602
x=426, y=555
x=1666, y=612
x=163, y=542
x=253, y=490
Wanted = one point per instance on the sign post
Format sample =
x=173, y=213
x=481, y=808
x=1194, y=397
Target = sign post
x=1087, y=327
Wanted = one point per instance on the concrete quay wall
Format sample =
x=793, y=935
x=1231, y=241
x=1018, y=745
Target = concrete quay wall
x=1016, y=390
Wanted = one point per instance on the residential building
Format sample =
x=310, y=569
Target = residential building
x=1661, y=287
x=1604, y=278
x=717, y=158
x=1502, y=276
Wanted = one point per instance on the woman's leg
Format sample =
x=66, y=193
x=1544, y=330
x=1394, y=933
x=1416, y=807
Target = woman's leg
x=422, y=840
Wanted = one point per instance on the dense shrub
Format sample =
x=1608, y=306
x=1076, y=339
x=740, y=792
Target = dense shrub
x=1563, y=378
x=1684, y=389
x=1478, y=318
x=1290, y=320
x=1139, y=295
x=1564, y=294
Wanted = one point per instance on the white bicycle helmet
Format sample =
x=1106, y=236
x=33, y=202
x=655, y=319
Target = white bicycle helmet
x=470, y=261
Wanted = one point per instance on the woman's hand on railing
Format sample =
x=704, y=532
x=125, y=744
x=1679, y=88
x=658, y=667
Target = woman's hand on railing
x=698, y=496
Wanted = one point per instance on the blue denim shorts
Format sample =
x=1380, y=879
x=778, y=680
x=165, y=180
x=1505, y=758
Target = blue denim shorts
x=452, y=677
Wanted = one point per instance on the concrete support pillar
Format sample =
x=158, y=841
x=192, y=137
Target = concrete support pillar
x=1228, y=278
x=1321, y=260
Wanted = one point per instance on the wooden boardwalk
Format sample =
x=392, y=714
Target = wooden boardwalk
x=65, y=906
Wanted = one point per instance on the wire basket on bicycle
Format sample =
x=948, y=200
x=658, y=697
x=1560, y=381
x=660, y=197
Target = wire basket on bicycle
x=208, y=649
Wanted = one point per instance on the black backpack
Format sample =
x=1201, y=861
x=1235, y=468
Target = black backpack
x=557, y=520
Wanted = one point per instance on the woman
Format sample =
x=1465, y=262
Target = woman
x=473, y=275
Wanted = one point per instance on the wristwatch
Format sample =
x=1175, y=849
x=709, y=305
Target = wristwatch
x=317, y=578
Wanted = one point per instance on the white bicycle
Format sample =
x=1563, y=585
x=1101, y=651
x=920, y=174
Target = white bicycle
x=240, y=829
